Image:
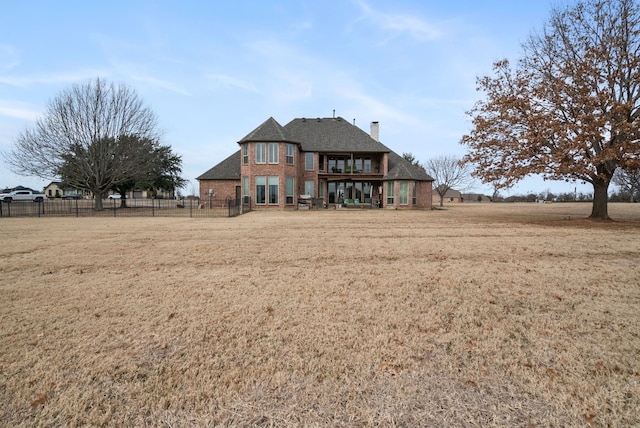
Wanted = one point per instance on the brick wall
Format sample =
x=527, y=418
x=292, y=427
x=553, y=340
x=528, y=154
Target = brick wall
x=281, y=170
x=222, y=189
x=423, y=195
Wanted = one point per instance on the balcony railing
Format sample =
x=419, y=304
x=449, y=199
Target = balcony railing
x=375, y=169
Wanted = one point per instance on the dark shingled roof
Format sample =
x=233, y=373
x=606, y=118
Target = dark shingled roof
x=270, y=130
x=402, y=169
x=228, y=169
x=331, y=135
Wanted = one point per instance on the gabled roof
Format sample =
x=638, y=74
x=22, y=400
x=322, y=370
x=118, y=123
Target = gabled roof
x=450, y=193
x=332, y=134
x=228, y=169
x=402, y=169
x=270, y=130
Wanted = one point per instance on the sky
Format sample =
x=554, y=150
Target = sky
x=212, y=71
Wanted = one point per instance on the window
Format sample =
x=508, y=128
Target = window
x=390, y=192
x=359, y=164
x=308, y=188
x=260, y=152
x=289, y=190
x=321, y=187
x=359, y=195
x=367, y=165
x=289, y=154
x=245, y=154
x=331, y=188
x=261, y=184
x=273, y=152
x=308, y=161
x=245, y=186
x=367, y=192
x=404, y=193
x=273, y=190
x=414, y=193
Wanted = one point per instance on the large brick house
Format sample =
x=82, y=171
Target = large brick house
x=326, y=159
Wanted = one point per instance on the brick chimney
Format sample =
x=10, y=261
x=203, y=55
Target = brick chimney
x=375, y=131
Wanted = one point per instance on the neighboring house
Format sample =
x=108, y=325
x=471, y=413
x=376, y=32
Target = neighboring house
x=53, y=190
x=151, y=194
x=12, y=189
x=450, y=195
x=56, y=190
x=475, y=197
x=326, y=159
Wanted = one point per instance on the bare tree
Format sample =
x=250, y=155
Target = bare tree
x=93, y=127
x=448, y=173
x=570, y=109
x=497, y=186
x=628, y=181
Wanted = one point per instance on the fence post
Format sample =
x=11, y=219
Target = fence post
x=114, y=207
x=76, y=208
x=153, y=207
x=190, y=208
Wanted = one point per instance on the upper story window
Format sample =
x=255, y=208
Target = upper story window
x=245, y=153
x=289, y=154
x=308, y=161
x=261, y=155
x=273, y=152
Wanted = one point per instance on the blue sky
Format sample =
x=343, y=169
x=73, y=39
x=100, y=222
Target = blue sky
x=212, y=71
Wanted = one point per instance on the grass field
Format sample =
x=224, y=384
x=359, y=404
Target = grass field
x=476, y=315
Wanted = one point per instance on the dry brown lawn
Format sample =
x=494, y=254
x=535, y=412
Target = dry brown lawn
x=477, y=315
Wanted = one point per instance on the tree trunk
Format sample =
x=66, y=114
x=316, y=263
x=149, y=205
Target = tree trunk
x=599, y=210
x=441, y=200
x=98, y=204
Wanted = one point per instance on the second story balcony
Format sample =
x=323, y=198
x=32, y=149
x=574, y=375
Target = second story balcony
x=353, y=164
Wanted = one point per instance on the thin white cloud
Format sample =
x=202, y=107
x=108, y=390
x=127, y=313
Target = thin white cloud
x=289, y=75
x=9, y=57
x=399, y=23
x=169, y=86
x=231, y=82
x=17, y=110
x=48, y=79
x=376, y=109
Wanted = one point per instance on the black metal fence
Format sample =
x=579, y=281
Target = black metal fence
x=124, y=208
